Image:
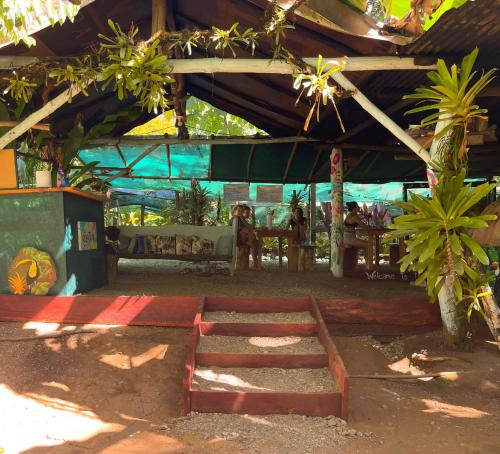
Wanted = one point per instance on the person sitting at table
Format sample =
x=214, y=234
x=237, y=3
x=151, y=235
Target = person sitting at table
x=249, y=236
x=298, y=225
x=351, y=221
x=237, y=217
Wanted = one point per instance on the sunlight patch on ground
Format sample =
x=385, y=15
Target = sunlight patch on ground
x=54, y=384
x=455, y=411
x=122, y=361
x=274, y=341
x=51, y=421
x=225, y=379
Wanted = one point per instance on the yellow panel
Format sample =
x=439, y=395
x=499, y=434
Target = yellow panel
x=8, y=169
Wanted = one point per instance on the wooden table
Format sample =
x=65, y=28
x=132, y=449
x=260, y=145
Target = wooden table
x=373, y=250
x=273, y=233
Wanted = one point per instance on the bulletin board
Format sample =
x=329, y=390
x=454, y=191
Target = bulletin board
x=8, y=169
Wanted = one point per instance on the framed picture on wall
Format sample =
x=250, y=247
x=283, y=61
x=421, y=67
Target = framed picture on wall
x=87, y=235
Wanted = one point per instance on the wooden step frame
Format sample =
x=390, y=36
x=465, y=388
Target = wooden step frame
x=261, y=403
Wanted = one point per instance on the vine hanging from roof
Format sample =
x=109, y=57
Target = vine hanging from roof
x=127, y=65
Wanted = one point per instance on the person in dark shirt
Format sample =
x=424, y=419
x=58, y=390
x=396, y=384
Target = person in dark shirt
x=351, y=222
x=298, y=224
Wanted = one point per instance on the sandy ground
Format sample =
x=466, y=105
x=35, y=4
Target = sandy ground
x=117, y=391
x=164, y=277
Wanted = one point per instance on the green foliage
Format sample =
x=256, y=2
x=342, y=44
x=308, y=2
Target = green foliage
x=452, y=96
x=203, y=118
x=297, y=200
x=193, y=206
x=232, y=38
x=276, y=27
x=318, y=86
x=359, y=5
x=18, y=87
x=322, y=245
x=139, y=69
x=19, y=18
x=439, y=243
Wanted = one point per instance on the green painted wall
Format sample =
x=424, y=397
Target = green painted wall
x=48, y=221
x=32, y=219
x=85, y=269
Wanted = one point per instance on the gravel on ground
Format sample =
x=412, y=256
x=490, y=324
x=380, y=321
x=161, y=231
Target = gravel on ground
x=281, y=345
x=265, y=379
x=262, y=317
x=270, y=434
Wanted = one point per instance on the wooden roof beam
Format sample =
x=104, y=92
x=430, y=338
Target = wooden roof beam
x=381, y=117
x=290, y=160
x=264, y=65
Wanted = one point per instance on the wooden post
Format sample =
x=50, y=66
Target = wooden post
x=337, y=227
x=143, y=212
x=158, y=16
x=314, y=213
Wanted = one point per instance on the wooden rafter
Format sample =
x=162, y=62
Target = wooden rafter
x=360, y=160
x=139, y=158
x=313, y=168
x=38, y=126
x=210, y=158
x=39, y=115
x=264, y=65
x=120, y=153
x=161, y=140
x=370, y=166
x=169, y=162
x=249, y=163
x=381, y=117
x=371, y=121
x=290, y=160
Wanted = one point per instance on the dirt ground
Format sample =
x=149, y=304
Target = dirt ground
x=118, y=390
x=164, y=277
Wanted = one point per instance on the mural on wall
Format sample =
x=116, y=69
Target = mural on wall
x=87, y=235
x=337, y=226
x=32, y=272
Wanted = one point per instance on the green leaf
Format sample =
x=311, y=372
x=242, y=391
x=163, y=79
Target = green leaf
x=477, y=250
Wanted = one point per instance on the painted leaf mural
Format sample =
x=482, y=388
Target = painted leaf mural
x=32, y=272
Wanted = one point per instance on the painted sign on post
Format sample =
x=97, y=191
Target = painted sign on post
x=87, y=235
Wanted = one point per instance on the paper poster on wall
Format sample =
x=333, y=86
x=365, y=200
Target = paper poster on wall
x=87, y=235
x=236, y=193
x=270, y=194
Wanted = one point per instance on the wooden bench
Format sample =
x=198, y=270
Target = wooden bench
x=224, y=238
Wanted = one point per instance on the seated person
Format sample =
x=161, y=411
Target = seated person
x=298, y=224
x=249, y=236
x=352, y=221
x=237, y=217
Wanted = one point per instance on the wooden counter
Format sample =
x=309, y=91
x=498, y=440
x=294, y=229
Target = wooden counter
x=78, y=192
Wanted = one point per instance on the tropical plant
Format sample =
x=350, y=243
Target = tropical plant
x=296, y=200
x=439, y=245
x=19, y=18
x=317, y=85
x=452, y=97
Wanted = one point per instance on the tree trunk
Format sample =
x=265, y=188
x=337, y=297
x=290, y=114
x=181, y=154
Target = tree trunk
x=453, y=323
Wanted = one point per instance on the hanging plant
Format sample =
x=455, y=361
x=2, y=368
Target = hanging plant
x=318, y=87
